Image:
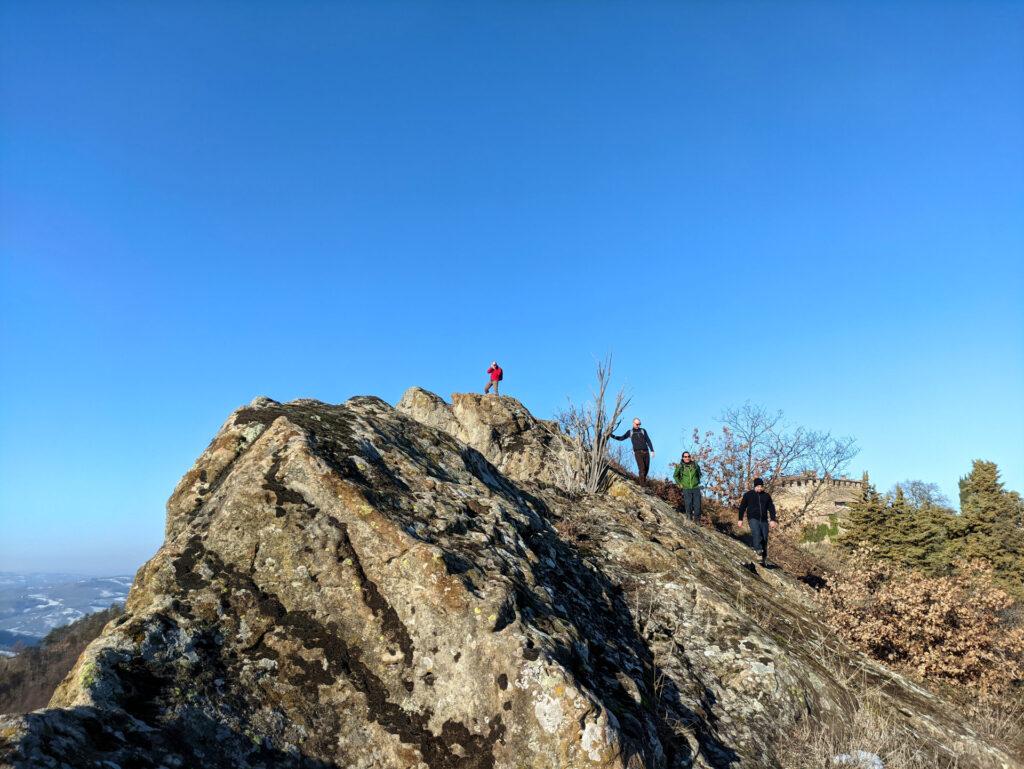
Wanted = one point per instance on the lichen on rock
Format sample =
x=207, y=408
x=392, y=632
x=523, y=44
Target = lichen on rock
x=362, y=586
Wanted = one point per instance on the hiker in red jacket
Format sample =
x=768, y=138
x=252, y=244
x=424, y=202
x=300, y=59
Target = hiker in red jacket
x=496, y=376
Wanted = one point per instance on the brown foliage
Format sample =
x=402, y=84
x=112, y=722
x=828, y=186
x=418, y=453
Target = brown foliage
x=27, y=681
x=953, y=629
x=667, y=491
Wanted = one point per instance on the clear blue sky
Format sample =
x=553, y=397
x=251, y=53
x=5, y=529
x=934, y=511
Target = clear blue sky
x=817, y=206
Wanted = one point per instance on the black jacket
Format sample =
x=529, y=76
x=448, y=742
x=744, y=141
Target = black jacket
x=757, y=504
x=641, y=440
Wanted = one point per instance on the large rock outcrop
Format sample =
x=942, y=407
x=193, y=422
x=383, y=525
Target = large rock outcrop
x=522, y=447
x=354, y=586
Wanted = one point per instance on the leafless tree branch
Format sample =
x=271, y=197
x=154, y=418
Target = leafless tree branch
x=591, y=427
x=755, y=442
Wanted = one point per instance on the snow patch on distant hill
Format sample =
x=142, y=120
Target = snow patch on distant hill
x=31, y=605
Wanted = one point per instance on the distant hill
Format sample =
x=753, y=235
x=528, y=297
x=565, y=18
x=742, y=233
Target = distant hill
x=28, y=679
x=31, y=605
x=10, y=641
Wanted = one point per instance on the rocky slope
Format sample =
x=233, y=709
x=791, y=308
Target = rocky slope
x=362, y=586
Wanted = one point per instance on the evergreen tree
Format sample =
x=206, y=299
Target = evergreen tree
x=930, y=546
x=1019, y=502
x=920, y=533
x=988, y=525
x=895, y=528
x=867, y=523
x=901, y=528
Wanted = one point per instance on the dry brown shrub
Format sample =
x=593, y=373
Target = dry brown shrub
x=722, y=517
x=570, y=529
x=952, y=629
x=667, y=491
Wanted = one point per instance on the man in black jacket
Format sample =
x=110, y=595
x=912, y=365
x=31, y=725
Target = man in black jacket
x=757, y=504
x=643, y=449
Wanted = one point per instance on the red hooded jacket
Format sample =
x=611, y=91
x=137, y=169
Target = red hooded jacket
x=496, y=373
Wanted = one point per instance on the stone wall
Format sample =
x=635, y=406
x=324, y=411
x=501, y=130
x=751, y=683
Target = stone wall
x=831, y=496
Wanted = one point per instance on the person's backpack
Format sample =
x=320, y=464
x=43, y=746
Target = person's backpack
x=501, y=373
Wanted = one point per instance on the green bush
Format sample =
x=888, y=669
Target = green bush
x=821, y=531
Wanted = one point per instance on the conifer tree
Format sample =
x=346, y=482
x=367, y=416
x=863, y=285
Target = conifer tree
x=987, y=528
x=894, y=528
x=900, y=529
x=919, y=534
x=1019, y=502
x=867, y=524
x=930, y=546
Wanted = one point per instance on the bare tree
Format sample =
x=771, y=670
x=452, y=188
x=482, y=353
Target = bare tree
x=590, y=427
x=922, y=494
x=758, y=435
x=754, y=442
x=826, y=457
x=619, y=455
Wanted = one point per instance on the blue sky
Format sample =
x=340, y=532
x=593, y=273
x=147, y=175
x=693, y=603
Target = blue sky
x=815, y=206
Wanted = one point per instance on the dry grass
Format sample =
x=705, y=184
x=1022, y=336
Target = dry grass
x=875, y=730
x=871, y=732
x=570, y=529
x=855, y=742
x=999, y=719
x=800, y=561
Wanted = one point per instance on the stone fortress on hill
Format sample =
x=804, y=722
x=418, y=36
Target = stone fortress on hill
x=821, y=497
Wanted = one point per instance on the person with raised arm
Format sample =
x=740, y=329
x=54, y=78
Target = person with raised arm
x=643, y=449
x=496, y=376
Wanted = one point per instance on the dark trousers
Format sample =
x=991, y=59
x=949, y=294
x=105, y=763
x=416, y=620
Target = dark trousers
x=691, y=503
x=493, y=383
x=759, y=532
x=643, y=464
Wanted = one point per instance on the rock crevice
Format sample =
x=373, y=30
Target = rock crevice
x=363, y=586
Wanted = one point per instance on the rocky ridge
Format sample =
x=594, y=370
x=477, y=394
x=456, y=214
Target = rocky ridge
x=364, y=586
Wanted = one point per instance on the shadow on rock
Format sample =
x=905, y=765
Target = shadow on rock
x=613, y=660
x=90, y=737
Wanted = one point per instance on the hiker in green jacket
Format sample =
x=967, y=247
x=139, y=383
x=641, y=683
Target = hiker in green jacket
x=687, y=477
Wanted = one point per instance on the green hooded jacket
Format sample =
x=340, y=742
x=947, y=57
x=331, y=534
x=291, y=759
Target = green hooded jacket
x=687, y=476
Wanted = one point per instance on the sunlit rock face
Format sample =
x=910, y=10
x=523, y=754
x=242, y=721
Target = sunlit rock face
x=362, y=586
x=522, y=447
